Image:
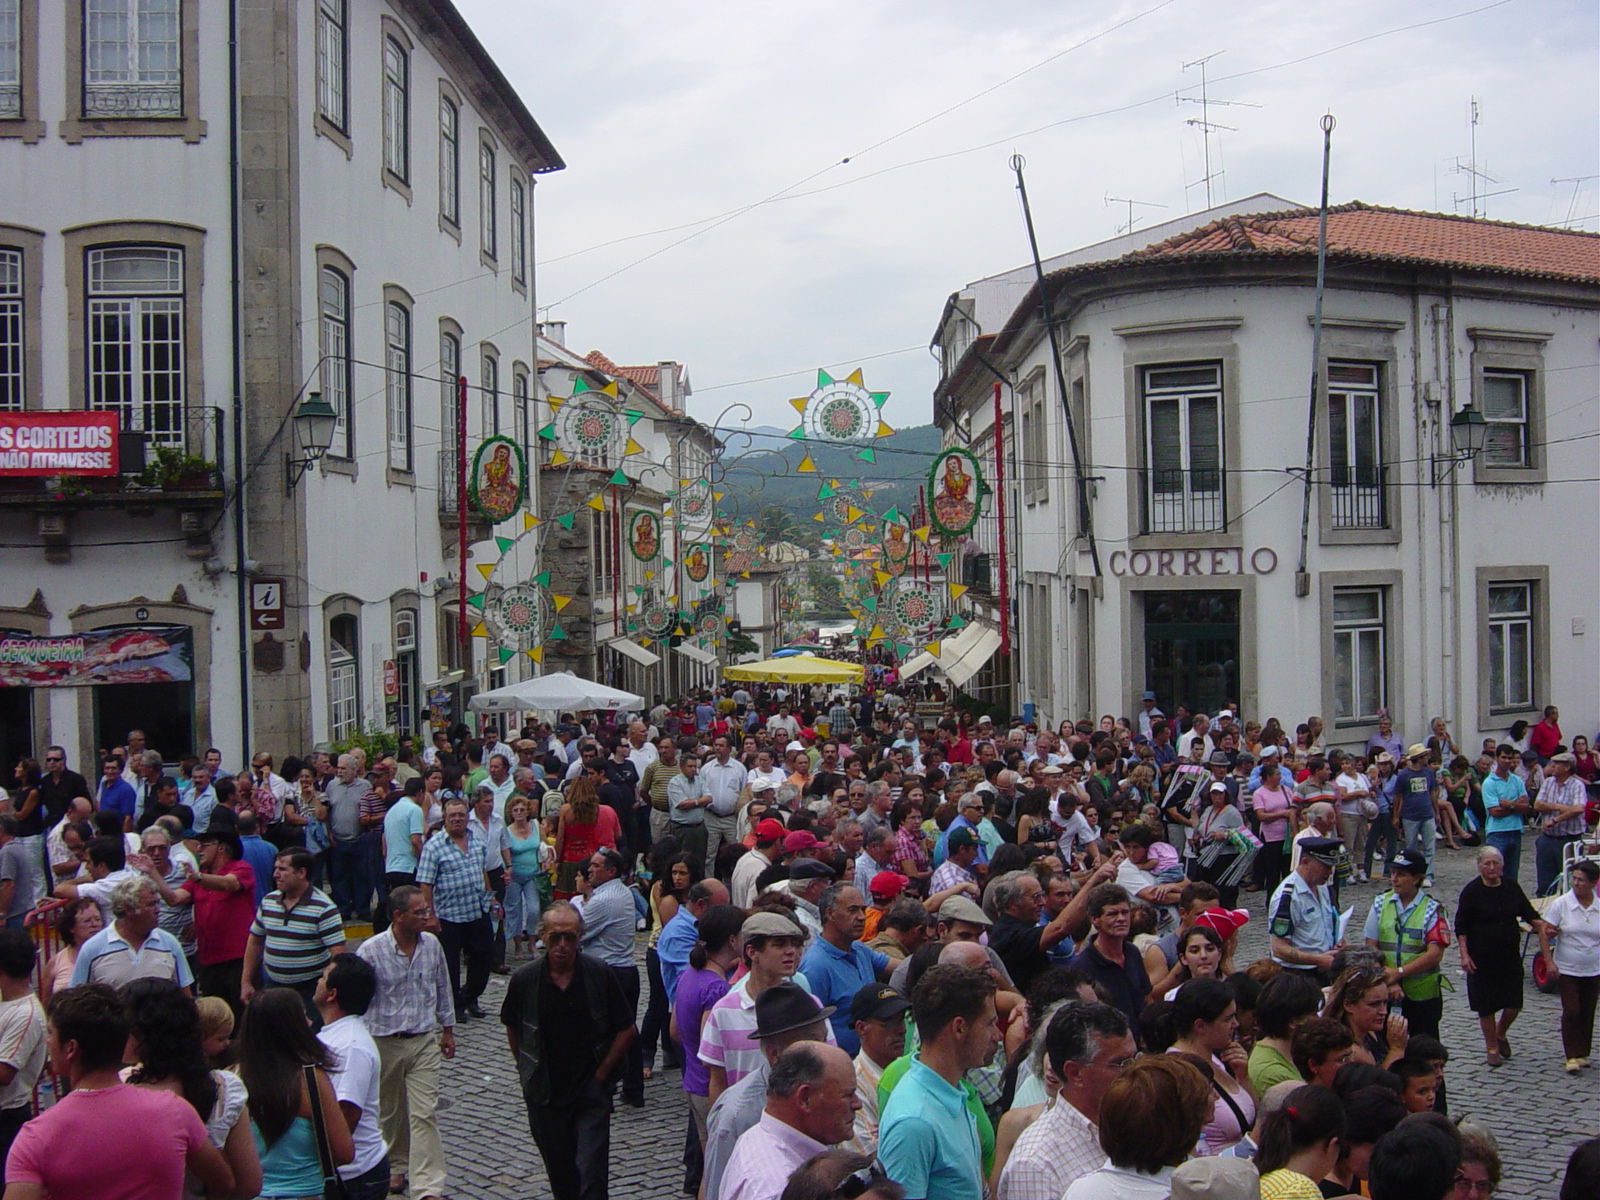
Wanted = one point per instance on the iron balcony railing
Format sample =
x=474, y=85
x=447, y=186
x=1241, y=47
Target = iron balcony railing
x=1184, y=501
x=1358, y=497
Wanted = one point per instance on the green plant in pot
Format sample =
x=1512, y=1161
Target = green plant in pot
x=169, y=467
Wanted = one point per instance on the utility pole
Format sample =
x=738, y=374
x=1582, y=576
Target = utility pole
x=1205, y=124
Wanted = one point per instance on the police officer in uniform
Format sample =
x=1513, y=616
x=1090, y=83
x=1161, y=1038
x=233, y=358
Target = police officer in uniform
x=1302, y=916
x=1411, y=930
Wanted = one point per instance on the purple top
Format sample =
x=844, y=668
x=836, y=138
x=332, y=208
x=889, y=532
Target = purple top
x=698, y=990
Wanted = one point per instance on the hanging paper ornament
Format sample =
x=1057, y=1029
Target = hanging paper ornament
x=516, y=618
x=499, y=479
x=658, y=618
x=644, y=535
x=842, y=410
x=589, y=425
x=697, y=563
x=896, y=543
x=854, y=538
x=955, y=481
x=693, y=507
x=916, y=606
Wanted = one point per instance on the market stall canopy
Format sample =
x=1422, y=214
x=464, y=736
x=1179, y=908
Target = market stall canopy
x=801, y=668
x=560, y=691
x=960, y=657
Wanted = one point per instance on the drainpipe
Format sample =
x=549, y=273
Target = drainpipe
x=235, y=299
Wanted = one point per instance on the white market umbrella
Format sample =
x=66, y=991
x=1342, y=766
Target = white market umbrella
x=560, y=691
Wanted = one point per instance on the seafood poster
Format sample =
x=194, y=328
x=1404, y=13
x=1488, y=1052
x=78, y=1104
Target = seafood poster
x=119, y=654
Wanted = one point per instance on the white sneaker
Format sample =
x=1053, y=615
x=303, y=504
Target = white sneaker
x=1428, y=882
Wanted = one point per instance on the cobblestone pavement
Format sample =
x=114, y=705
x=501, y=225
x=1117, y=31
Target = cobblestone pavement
x=1537, y=1112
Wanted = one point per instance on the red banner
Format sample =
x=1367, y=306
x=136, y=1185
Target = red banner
x=58, y=443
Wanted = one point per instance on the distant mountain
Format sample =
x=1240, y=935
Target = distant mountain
x=767, y=474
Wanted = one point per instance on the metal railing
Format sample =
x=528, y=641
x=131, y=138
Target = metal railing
x=114, y=100
x=1358, y=497
x=1183, y=501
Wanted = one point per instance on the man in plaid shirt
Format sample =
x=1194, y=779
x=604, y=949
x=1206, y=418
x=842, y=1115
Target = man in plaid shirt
x=452, y=873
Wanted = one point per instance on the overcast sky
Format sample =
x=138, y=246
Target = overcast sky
x=671, y=114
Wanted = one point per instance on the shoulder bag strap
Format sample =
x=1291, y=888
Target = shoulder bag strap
x=1244, y=1123
x=332, y=1185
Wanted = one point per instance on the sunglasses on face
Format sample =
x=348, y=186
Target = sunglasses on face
x=560, y=935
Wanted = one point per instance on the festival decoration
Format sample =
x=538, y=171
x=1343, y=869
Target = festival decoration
x=841, y=410
x=956, y=484
x=896, y=543
x=499, y=479
x=644, y=535
x=697, y=563
x=591, y=426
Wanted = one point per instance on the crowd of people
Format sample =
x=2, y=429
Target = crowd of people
x=888, y=950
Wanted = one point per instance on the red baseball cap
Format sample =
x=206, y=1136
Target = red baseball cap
x=770, y=830
x=888, y=884
x=1225, y=922
x=800, y=840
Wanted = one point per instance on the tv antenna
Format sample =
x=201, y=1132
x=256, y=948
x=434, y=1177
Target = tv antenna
x=1577, y=182
x=1205, y=124
x=1128, y=228
x=1476, y=176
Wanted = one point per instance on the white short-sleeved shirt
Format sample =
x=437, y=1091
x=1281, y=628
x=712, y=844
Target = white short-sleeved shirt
x=22, y=1038
x=355, y=1081
x=1577, y=950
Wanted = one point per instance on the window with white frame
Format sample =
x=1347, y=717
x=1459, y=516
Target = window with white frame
x=10, y=59
x=1360, y=689
x=333, y=301
x=1511, y=640
x=396, y=110
x=344, y=678
x=132, y=59
x=1508, y=441
x=449, y=426
x=1355, y=446
x=491, y=395
x=519, y=231
x=486, y=199
x=11, y=326
x=136, y=338
x=397, y=382
x=1183, y=449
x=405, y=661
x=449, y=160
x=520, y=411
x=333, y=96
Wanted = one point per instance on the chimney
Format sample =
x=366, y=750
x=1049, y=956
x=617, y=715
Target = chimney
x=668, y=387
x=556, y=331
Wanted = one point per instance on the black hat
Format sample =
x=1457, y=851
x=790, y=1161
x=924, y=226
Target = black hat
x=1219, y=758
x=877, y=1002
x=785, y=1007
x=1324, y=850
x=1409, y=860
x=810, y=868
x=223, y=829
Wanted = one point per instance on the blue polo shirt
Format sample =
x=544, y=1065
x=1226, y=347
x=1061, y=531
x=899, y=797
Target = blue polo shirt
x=928, y=1141
x=1497, y=791
x=836, y=976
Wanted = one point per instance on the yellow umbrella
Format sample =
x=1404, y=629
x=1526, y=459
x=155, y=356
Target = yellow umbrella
x=800, y=668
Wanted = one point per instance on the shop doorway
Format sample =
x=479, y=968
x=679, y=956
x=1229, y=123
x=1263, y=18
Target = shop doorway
x=165, y=711
x=1191, y=652
x=16, y=730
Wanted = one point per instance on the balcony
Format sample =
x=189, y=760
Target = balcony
x=1358, y=497
x=449, y=509
x=1183, y=501
x=977, y=572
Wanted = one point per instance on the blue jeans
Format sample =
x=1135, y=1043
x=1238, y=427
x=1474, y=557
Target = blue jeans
x=1547, y=853
x=522, y=906
x=1509, y=843
x=1420, y=836
x=1381, y=831
x=347, y=872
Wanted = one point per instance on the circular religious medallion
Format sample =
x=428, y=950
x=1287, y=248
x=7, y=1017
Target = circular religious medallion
x=517, y=616
x=658, y=619
x=840, y=410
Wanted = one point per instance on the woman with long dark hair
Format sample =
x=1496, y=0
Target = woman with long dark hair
x=582, y=828
x=165, y=1044
x=674, y=873
x=276, y=1046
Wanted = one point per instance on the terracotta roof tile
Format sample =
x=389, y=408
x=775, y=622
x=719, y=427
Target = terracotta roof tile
x=1360, y=231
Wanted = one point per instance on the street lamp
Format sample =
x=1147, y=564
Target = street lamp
x=1468, y=431
x=314, y=423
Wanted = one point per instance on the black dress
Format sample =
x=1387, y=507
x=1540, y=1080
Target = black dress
x=1487, y=918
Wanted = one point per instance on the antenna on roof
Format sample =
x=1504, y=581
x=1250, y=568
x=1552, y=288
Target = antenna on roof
x=1577, y=182
x=1128, y=228
x=1205, y=124
x=1475, y=176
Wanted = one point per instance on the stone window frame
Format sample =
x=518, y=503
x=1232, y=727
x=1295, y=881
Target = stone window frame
x=30, y=242
x=75, y=126
x=35, y=620
x=1163, y=343
x=28, y=127
x=334, y=608
x=1359, y=340
x=1512, y=350
x=394, y=294
x=1538, y=577
x=392, y=30
x=448, y=92
x=321, y=122
x=336, y=259
x=517, y=184
x=80, y=239
x=1328, y=582
x=1131, y=606
x=157, y=612
x=489, y=353
x=489, y=204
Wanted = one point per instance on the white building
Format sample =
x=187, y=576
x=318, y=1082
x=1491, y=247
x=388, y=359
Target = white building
x=195, y=239
x=1165, y=552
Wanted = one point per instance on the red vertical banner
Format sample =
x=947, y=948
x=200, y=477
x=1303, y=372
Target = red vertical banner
x=464, y=631
x=616, y=560
x=1000, y=513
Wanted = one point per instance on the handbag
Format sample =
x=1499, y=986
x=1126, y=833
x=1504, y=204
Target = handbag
x=332, y=1185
